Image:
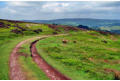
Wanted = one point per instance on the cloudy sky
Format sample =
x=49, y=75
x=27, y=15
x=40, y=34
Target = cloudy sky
x=43, y=10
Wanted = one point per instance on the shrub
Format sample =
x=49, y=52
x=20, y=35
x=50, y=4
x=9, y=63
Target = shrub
x=2, y=24
x=37, y=30
x=17, y=31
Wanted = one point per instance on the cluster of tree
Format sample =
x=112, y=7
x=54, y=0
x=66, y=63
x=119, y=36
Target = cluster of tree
x=84, y=27
x=104, y=32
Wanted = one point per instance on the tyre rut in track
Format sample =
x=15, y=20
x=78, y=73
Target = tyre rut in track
x=51, y=72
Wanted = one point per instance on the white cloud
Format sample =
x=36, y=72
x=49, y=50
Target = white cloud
x=55, y=7
x=47, y=5
x=18, y=3
x=8, y=10
x=48, y=10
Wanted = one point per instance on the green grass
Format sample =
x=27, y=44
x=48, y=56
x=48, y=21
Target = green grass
x=81, y=60
x=84, y=59
x=33, y=72
x=29, y=65
x=5, y=51
x=28, y=26
x=8, y=41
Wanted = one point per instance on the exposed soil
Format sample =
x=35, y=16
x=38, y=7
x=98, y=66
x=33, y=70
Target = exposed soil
x=23, y=54
x=115, y=72
x=51, y=72
x=16, y=73
x=15, y=70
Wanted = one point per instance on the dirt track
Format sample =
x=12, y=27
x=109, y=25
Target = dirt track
x=52, y=73
x=14, y=66
x=16, y=72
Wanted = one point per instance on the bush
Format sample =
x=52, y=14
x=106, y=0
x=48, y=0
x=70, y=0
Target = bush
x=37, y=30
x=2, y=24
x=17, y=31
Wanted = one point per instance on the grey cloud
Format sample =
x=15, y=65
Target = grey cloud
x=55, y=10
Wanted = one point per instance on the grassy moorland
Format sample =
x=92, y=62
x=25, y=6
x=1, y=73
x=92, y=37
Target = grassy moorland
x=6, y=47
x=85, y=55
x=79, y=55
x=11, y=33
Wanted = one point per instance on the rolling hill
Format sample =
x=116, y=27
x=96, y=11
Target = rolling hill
x=34, y=51
x=97, y=24
x=81, y=21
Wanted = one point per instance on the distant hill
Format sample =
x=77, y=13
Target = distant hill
x=94, y=23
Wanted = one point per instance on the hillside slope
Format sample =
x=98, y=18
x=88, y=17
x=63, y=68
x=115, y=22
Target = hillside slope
x=11, y=33
x=81, y=54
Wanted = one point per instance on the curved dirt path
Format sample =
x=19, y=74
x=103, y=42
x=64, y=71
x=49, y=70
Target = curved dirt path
x=14, y=66
x=15, y=70
x=51, y=72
